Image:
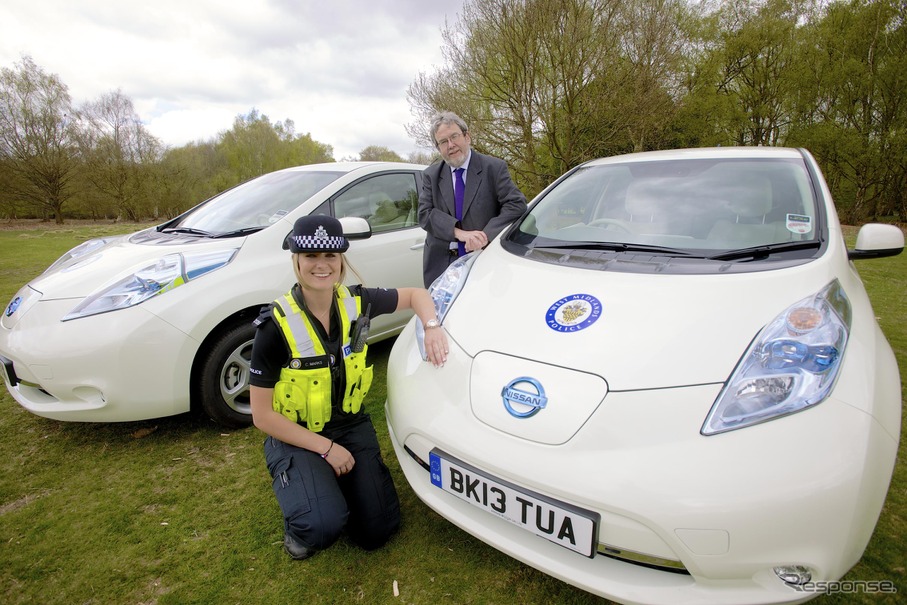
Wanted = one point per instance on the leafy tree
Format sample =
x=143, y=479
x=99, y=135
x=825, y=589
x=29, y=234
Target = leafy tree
x=704, y=111
x=11, y=205
x=376, y=153
x=743, y=82
x=654, y=38
x=38, y=127
x=851, y=110
x=544, y=84
x=254, y=147
x=303, y=150
x=186, y=176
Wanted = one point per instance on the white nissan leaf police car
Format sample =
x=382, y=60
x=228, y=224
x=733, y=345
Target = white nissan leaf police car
x=665, y=383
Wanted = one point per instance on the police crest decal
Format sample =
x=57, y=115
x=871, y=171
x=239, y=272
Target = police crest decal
x=573, y=313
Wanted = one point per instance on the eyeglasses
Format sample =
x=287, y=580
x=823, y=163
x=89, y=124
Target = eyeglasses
x=451, y=139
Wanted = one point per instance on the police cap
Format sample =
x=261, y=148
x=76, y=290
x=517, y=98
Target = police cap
x=317, y=233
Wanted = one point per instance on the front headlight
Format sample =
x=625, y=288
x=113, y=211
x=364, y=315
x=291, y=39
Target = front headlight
x=164, y=275
x=791, y=365
x=444, y=291
x=79, y=252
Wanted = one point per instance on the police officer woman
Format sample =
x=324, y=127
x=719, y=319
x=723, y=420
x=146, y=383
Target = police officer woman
x=309, y=379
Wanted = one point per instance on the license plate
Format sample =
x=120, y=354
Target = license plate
x=564, y=524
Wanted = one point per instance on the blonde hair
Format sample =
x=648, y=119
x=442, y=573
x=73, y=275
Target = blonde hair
x=345, y=266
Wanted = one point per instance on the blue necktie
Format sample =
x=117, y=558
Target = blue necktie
x=459, y=191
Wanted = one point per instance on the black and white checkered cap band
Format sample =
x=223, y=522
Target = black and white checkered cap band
x=319, y=242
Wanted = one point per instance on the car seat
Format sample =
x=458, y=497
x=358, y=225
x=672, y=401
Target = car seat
x=745, y=222
x=654, y=209
x=386, y=213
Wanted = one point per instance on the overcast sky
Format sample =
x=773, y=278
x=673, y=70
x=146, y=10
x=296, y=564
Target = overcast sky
x=338, y=68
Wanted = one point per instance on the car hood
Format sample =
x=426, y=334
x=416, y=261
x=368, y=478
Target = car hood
x=651, y=330
x=118, y=258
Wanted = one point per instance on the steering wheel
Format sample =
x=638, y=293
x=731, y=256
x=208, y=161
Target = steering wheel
x=609, y=222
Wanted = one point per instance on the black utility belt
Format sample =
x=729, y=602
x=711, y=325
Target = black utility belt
x=339, y=420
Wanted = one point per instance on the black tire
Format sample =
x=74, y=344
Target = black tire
x=222, y=376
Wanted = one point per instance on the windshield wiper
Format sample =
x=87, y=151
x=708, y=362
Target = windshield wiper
x=620, y=247
x=188, y=230
x=238, y=232
x=764, y=251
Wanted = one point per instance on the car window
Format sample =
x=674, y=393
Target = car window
x=686, y=204
x=386, y=201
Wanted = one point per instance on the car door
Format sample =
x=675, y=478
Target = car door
x=392, y=257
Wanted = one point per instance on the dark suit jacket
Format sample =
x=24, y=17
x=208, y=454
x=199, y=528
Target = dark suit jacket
x=490, y=203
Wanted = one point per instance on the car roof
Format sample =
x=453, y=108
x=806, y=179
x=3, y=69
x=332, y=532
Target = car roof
x=702, y=154
x=345, y=167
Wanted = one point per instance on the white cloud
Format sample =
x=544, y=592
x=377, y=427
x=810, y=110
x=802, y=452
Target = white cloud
x=338, y=69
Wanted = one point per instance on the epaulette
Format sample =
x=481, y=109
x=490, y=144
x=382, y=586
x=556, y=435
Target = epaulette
x=264, y=315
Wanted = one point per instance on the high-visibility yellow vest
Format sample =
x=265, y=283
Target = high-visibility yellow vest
x=303, y=391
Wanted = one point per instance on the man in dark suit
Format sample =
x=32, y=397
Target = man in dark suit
x=466, y=200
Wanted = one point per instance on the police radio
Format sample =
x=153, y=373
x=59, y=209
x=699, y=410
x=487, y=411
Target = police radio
x=360, y=331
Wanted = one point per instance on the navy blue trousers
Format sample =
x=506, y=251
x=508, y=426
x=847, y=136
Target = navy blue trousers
x=318, y=506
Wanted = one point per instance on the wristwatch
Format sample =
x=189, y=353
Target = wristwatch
x=432, y=323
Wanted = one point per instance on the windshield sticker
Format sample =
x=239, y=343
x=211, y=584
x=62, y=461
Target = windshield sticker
x=799, y=223
x=277, y=216
x=573, y=313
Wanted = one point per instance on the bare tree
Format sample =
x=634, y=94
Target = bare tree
x=37, y=137
x=653, y=43
x=548, y=84
x=120, y=154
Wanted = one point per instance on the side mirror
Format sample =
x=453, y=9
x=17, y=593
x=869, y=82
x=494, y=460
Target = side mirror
x=876, y=240
x=355, y=227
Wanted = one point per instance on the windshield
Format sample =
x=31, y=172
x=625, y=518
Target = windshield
x=701, y=207
x=255, y=204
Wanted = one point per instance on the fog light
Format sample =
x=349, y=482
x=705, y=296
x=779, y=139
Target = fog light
x=795, y=575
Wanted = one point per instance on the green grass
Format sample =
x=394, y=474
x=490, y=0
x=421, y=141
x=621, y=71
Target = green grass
x=177, y=511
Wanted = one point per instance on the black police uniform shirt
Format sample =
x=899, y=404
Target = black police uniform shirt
x=270, y=352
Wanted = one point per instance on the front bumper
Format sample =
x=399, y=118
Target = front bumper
x=803, y=490
x=122, y=366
